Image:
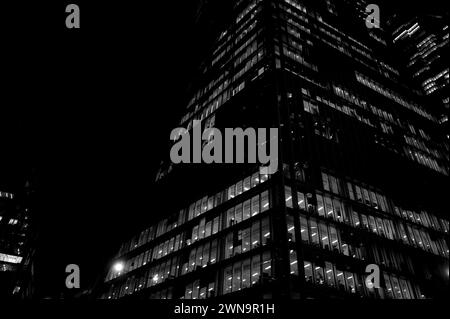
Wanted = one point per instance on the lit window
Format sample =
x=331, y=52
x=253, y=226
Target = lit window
x=256, y=269
x=255, y=205
x=255, y=180
x=325, y=241
x=237, y=274
x=291, y=228
x=265, y=201
x=265, y=230
x=329, y=274
x=320, y=206
x=301, y=200
x=255, y=234
x=293, y=262
x=314, y=231
x=308, y=272
x=326, y=185
x=267, y=264
x=340, y=279
x=304, y=229
x=318, y=273
x=388, y=290
x=246, y=274
x=288, y=196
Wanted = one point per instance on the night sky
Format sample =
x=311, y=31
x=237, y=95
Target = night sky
x=90, y=111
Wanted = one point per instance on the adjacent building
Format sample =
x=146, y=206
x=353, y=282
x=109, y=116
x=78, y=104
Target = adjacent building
x=17, y=245
x=424, y=44
x=361, y=178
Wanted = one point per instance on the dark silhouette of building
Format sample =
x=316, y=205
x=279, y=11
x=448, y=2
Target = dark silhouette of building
x=361, y=177
x=17, y=236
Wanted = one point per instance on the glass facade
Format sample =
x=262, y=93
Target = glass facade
x=341, y=199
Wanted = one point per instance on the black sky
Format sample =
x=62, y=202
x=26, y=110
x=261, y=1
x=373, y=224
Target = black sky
x=91, y=110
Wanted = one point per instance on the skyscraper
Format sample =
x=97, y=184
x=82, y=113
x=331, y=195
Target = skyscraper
x=424, y=43
x=16, y=242
x=360, y=179
x=423, y=40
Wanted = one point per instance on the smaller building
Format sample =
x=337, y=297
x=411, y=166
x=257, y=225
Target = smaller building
x=16, y=243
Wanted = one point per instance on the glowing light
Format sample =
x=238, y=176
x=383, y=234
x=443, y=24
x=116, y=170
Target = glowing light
x=10, y=258
x=119, y=266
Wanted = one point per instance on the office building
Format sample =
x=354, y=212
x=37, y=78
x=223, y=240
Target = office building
x=361, y=177
x=17, y=241
x=424, y=45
